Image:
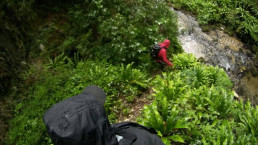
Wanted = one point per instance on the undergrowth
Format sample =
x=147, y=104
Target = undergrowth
x=239, y=16
x=58, y=81
x=195, y=105
x=106, y=43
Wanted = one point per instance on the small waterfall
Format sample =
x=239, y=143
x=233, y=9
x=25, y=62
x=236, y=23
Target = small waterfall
x=219, y=49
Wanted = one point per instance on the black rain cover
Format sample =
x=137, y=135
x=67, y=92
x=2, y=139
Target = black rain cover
x=79, y=120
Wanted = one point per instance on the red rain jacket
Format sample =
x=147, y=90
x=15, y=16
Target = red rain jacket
x=163, y=52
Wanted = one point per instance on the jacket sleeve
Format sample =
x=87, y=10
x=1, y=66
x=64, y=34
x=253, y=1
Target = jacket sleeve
x=163, y=54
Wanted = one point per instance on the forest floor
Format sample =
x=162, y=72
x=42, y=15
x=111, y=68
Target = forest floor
x=140, y=101
x=6, y=111
x=136, y=107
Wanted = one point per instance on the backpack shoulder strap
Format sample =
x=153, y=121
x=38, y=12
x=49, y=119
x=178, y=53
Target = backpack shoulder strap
x=126, y=124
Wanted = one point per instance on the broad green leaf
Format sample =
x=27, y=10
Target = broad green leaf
x=176, y=138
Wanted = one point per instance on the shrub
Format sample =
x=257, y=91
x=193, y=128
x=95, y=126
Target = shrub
x=195, y=105
x=184, y=61
x=247, y=122
x=164, y=119
x=120, y=32
x=238, y=15
x=60, y=80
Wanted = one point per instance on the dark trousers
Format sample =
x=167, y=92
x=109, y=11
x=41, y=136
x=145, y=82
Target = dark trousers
x=162, y=65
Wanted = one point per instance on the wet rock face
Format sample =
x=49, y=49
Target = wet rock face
x=251, y=86
x=219, y=49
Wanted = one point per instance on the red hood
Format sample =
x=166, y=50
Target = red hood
x=165, y=43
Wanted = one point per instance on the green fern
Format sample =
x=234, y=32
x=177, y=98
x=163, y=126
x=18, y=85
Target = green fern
x=249, y=121
x=165, y=122
x=184, y=60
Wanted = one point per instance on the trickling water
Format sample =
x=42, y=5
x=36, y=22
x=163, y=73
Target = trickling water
x=220, y=49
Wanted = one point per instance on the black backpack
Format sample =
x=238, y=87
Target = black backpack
x=154, y=51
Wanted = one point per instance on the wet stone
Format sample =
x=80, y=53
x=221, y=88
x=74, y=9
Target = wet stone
x=220, y=49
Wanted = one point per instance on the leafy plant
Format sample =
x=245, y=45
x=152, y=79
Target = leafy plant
x=218, y=134
x=125, y=29
x=216, y=101
x=238, y=15
x=249, y=121
x=61, y=79
x=166, y=121
x=169, y=86
x=198, y=97
x=133, y=76
x=15, y=28
x=184, y=60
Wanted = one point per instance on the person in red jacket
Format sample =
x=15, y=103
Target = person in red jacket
x=162, y=56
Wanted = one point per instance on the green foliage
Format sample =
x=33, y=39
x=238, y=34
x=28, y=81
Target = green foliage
x=171, y=88
x=218, y=77
x=117, y=31
x=238, y=15
x=61, y=79
x=134, y=27
x=214, y=101
x=133, y=76
x=217, y=134
x=164, y=121
x=248, y=120
x=68, y=32
x=194, y=74
x=14, y=40
x=184, y=60
x=195, y=105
